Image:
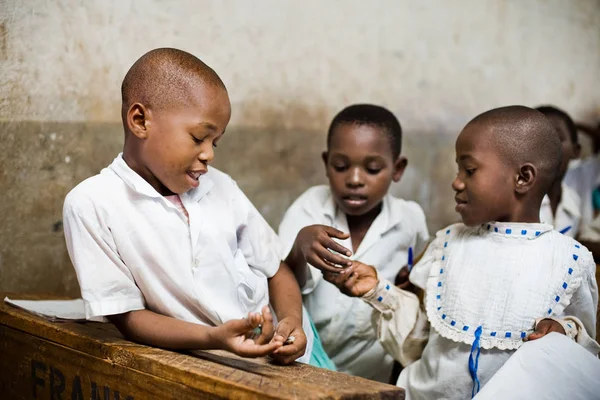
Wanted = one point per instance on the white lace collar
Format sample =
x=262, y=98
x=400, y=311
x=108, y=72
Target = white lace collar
x=500, y=276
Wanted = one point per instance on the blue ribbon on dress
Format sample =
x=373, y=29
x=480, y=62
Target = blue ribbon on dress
x=474, y=361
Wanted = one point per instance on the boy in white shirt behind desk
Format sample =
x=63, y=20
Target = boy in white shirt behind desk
x=170, y=251
x=363, y=158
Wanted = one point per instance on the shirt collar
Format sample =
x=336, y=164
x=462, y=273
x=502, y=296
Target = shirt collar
x=515, y=229
x=141, y=186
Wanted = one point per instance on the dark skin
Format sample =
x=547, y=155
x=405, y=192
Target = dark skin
x=488, y=188
x=593, y=133
x=360, y=167
x=570, y=151
x=171, y=148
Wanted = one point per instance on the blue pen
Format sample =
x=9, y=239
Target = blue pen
x=410, y=259
x=567, y=229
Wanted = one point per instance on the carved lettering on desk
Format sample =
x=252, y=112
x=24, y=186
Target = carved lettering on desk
x=57, y=388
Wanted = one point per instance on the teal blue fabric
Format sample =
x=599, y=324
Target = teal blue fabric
x=596, y=199
x=318, y=357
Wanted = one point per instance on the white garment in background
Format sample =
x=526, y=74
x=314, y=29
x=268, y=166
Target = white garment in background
x=133, y=249
x=553, y=367
x=344, y=323
x=568, y=213
x=584, y=178
x=500, y=277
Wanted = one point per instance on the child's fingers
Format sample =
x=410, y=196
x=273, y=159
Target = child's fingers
x=288, y=353
x=333, y=245
x=334, y=278
x=402, y=276
x=282, y=332
x=332, y=258
x=319, y=262
x=540, y=330
x=248, y=348
x=351, y=281
x=267, y=326
x=242, y=326
x=533, y=336
x=543, y=328
x=331, y=231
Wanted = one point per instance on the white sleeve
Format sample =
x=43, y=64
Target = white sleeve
x=422, y=231
x=591, y=231
x=582, y=309
x=107, y=285
x=256, y=239
x=297, y=217
x=401, y=325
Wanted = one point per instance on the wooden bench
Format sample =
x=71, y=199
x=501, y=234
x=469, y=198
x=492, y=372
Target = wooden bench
x=40, y=359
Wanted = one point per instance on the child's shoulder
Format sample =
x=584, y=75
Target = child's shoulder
x=408, y=213
x=451, y=231
x=579, y=252
x=94, y=191
x=219, y=179
x=315, y=197
x=405, y=206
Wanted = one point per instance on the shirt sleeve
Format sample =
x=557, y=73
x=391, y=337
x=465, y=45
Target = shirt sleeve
x=258, y=242
x=591, y=231
x=581, y=313
x=401, y=324
x=422, y=232
x=296, y=218
x=107, y=285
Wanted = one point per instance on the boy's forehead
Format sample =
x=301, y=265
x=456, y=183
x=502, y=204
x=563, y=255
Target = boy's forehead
x=195, y=97
x=367, y=135
x=475, y=136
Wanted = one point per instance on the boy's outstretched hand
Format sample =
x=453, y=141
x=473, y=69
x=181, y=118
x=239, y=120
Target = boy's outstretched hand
x=291, y=335
x=543, y=328
x=238, y=336
x=314, y=243
x=357, y=280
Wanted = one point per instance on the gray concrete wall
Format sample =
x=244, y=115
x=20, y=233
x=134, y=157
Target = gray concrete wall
x=289, y=67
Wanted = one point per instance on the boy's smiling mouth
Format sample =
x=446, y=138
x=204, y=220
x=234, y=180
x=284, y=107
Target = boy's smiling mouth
x=195, y=175
x=355, y=200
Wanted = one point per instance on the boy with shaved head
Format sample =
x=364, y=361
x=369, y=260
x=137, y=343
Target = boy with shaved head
x=170, y=251
x=495, y=280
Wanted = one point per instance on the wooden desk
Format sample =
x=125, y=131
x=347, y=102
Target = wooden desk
x=68, y=360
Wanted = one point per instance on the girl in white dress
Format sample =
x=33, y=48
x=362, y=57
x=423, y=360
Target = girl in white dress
x=495, y=280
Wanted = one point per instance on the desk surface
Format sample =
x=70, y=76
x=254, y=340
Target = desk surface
x=218, y=373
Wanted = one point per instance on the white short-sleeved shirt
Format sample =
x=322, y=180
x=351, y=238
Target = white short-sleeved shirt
x=133, y=249
x=584, y=178
x=568, y=213
x=495, y=279
x=344, y=323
